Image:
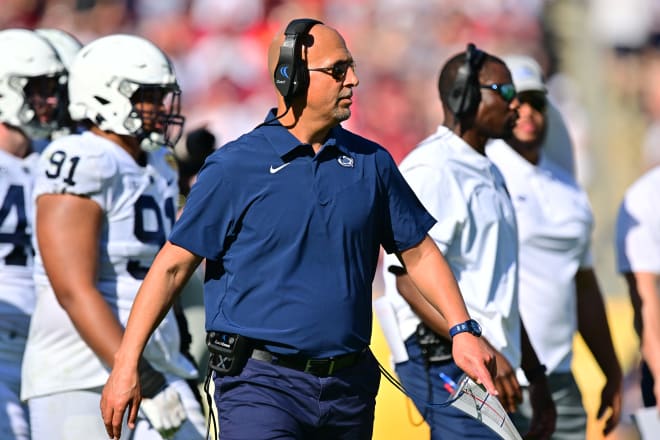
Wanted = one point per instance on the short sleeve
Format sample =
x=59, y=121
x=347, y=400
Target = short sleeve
x=638, y=234
x=206, y=221
x=587, y=258
x=408, y=220
x=68, y=166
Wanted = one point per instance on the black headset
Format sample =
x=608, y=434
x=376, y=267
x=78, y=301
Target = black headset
x=291, y=77
x=465, y=93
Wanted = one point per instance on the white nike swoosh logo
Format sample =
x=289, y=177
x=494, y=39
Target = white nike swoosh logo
x=274, y=170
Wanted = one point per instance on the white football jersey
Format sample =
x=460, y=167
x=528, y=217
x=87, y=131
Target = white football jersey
x=138, y=204
x=16, y=255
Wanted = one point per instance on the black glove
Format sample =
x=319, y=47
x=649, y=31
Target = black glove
x=191, y=155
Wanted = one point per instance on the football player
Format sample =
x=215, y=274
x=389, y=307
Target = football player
x=105, y=203
x=66, y=46
x=29, y=74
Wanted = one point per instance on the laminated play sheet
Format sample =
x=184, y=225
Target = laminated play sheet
x=474, y=400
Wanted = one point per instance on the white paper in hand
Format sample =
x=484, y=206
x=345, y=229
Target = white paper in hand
x=647, y=422
x=474, y=400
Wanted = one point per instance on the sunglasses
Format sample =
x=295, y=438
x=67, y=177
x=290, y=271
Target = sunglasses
x=506, y=91
x=536, y=100
x=337, y=71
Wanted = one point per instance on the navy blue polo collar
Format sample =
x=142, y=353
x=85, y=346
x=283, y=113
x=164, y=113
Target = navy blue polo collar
x=283, y=142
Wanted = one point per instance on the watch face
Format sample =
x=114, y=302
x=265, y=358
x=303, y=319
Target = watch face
x=476, y=328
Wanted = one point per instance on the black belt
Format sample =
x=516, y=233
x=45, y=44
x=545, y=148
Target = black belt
x=317, y=367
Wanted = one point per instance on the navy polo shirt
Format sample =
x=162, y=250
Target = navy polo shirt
x=291, y=238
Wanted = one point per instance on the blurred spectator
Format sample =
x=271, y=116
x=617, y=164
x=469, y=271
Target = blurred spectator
x=25, y=112
x=227, y=15
x=638, y=260
x=559, y=295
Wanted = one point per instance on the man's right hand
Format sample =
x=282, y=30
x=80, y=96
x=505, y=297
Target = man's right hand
x=474, y=356
x=121, y=392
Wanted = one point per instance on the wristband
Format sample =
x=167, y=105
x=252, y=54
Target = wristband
x=470, y=326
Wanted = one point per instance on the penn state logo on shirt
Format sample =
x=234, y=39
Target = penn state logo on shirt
x=346, y=161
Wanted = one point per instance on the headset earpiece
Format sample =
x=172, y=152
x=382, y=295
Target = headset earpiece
x=465, y=94
x=291, y=77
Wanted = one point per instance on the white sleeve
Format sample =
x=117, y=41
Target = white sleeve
x=638, y=234
x=587, y=258
x=442, y=198
x=68, y=166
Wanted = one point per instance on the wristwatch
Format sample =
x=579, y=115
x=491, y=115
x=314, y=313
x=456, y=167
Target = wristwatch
x=470, y=326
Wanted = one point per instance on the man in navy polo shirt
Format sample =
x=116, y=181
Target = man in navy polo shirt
x=290, y=218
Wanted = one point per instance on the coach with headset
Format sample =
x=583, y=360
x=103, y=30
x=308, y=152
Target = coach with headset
x=476, y=232
x=289, y=218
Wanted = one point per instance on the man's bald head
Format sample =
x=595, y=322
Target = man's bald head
x=318, y=83
x=311, y=43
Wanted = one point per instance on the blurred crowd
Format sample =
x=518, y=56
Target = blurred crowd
x=218, y=47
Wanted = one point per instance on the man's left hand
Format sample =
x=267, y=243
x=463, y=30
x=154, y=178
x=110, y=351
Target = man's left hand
x=610, y=397
x=544, y=412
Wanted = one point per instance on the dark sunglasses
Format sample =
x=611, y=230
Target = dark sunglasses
x=337, y=71
x=506, y=91
x=536, y=100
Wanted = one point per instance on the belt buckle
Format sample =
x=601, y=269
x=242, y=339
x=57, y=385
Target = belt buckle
x=320, y=367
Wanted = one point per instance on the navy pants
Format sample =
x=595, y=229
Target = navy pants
x=268, y=401
x=428, y=391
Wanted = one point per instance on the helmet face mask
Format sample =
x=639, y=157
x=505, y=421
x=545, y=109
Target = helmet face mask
x=156, y=114
x=43, y=101
x=66, y=46
x=126, y=85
